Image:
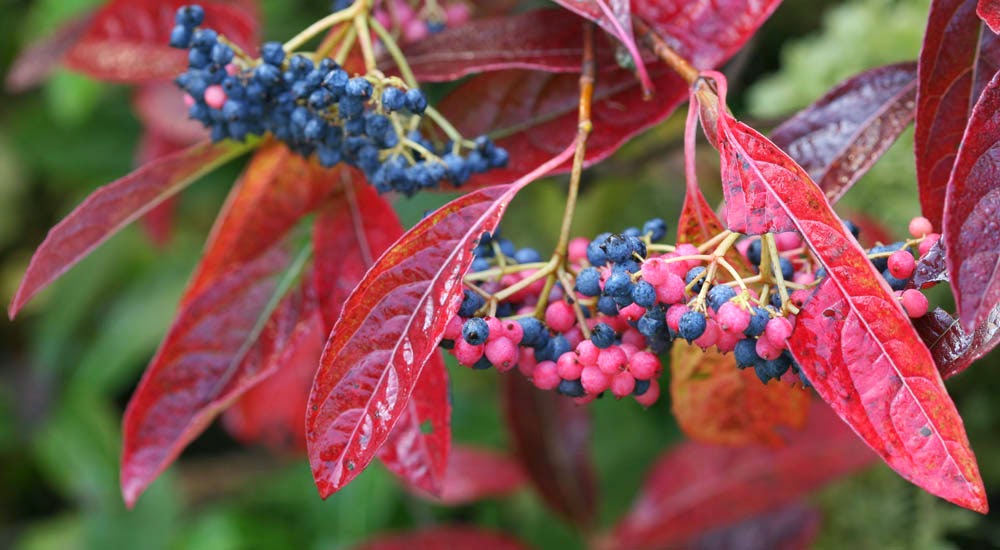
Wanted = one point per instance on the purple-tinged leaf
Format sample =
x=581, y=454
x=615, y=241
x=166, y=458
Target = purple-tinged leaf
x=550, y=435
x=36, y=62
x=443, y=538
x=475, y=474
x=792, y=527
x=160, y=106
x=954, y=349
x=390, y=326
x=972, y=213
x=932, y=267
x=838, y=138
x=158, y=223
x=114, y=206
x=989, y=12
x=957, y=60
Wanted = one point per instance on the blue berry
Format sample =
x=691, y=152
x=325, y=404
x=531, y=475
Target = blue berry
x=393, y=99
x=571, y=388
x=204, y=39
x=602, y=335
x=607, y=305
x=758, y=322
x=852, y=228
x=617, y=248
x=656, y=228
x=691, y=325
x=198, y=59
x=272, y=53
x=787, y=269
x=650, y=325
x=718, y=295
x=882, y=263
x=475, y=331
x=894, y=283
x=458, y=170
x=416, y=102
x=754, y=251
x=328, y=156
x=618, y=285
x=644, y=294
x=190, y=16
x=632, y=232
x=532, y=330
x=180, y=37
x=527, y=256
x=641, y=387
x=595, y=254
x=482, y=364
x=746, y=353
x=692, y=275
x=221, y=54
x=470, y=303
x=359, y=87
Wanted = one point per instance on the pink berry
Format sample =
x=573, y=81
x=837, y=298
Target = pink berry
x=232, y=69
x=612, y=360
x=577, y=251
x=632, y=312
x=587, y=353
x=928, y=242
x=732, y=318
x=767, y=350
x=593, y=380
x=559, y=316
x=526, y=363
x=920, y=226
x=629, y=350
x=674, y=315
x=655, y=271
x=915, y=303
x=583, y=400
x=453, y=330
x=687, y=249
x=643, y=365
x=513, y=331
x=573, y=336
x=652, y=394
x=457, y=13
x=802, y=278
x=215, y=96
x=496, y=327
x=188, y=101
x=502, y=353
x=568, y=367
x=545, y=376
x=777, y=331
x=414, y=30
x=901, y=264
x=788, y=241
x=710, y=336
x=633, y=337
x=622, y=384
x=727, y=341
x=466, y=353
x=671, y=291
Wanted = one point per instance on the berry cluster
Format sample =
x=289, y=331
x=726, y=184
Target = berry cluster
x=598, y=324
x=369, y=122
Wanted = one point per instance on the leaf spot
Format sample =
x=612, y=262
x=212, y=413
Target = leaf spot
x=925, y=431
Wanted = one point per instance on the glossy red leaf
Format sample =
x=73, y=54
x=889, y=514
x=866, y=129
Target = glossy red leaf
x=532, y=113
x=614, y=16
x=35, y=64
x=391, y=325
x=128, y=40
x=224, y=340
x=114, y=206
x=695, y=488
x=931, y=267
x=697, y=222
x=989, y=12
x=160, y=106
x=852, y=339
x=443, y=538
x=475, y=474
x=954, y=349
x=158, y=222
x=838, y=138
x=277, y=189
x=544, y=40
x=972, y=211
x=550, y=435
x=793, y=527
x=957, y=60
x=418, y=448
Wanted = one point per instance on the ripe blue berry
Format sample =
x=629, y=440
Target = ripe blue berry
x=718, y=295
x=358, y=87
x=650, y=325
x=894, y=283
x=416, y=102
x=204, y=39
x=617, y=248
x=180, y=37
x=595, y=254
x=753, y=252
x=692, y=275
x=470, y=303
x=691, y=326
x=475, y=331
x=393, y=99
x=618, y=285
x=656, y=228
x=527, y=256
x=272, y=53
x=852, y=228
x=189, y=16
x=746, y=353
x=571, y=388
x=532, y=330
x=882, y=262
x=787, y=269
x=221, y=54
x=607, y=305
x=602, y=335
x=758, y=322
x=641, y=387
x=644, y=294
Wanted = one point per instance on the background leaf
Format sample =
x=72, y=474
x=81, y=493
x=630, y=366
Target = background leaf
x=953, y=348
x=443, y=538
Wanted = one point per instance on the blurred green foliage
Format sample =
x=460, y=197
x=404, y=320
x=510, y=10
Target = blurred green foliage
x=74, y=356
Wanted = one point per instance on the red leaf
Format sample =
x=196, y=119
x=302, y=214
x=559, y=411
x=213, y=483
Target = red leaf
x=616, y=19
x=417, y=448
x=697, y=222
x=475, y=474
x=158, y=222
x=223, y=341
x=790, y=528
x=128, y=40
x=838, y=138
x=956, y=62
x=989, y=12
x=952, y=347
x=852, y=339
x=695, y=488
x=931, y=267
x=391, y=324
x=551, y=436
x=971, y=210
x=114, y=206
x=277, y=189
x=35, y=63
x=543, y=40
x=161, y=109
x=443, y=538
x=530, y=113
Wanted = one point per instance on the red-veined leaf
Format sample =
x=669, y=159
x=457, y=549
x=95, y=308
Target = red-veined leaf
x=475, y=474
x=443, y=538
x=530, y=113
x=792, y=527
x=697, y=222
x=838, y=138
x=36, y=62
x=956, y=62
x=160, y=106
x=695, y=488
x=128, y=40
x=952, y=347
x=715, y=402
x=852, y=339
x=158, y=222
x=616, y=20
x=277, y=189
x=418, y=448
x=114, y=206
x=971, y=211
x=989, y=12
x=550, y=435
x=391, y=324
x=224, y=340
